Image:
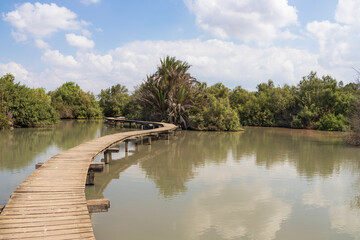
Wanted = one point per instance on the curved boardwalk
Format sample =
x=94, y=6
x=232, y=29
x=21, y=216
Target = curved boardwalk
x=51, y=203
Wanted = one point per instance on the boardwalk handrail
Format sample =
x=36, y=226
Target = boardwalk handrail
x=51, y=202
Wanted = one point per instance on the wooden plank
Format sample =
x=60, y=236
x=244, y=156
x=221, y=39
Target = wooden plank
x=50, y=203
x=98, y=205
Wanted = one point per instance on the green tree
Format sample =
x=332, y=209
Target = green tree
x=170, y=93
x=23, y=106
x=216, y=115
x=72, y=102
x=322, y=103
x=114, y=100
x=268, y=106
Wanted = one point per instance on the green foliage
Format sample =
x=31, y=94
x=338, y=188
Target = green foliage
x=353, y=137
x=72, y=102
x=269, y=106
x=169, y=94
x=323, y=103
x=113, y=101
x=216, y=115
x=331, y=122
x=23, y=106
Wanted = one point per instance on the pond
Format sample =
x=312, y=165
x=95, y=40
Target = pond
x=263, y=183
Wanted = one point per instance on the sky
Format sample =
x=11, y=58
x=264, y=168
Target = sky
x=100, y=43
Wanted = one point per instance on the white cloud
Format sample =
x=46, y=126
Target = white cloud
x=347, y=12
x=19, y=72
x=79, y=41
x=215, y=60
x=41, y=20
x=87, y=2
x=56, y=59
x=212, y=61
x=41, y=44
x=339, y=41
x=255, y=20
x=86, y=33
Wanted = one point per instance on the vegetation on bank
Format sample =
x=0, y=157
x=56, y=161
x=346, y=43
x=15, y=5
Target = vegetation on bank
x=21, y=106
x=70, y=101
x=172, y=94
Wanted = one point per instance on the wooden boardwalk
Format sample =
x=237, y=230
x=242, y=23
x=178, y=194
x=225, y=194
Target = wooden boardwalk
x=51, y=203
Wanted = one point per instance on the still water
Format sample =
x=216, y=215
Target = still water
x=263, y=183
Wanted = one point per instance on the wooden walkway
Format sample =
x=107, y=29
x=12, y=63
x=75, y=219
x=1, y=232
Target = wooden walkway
x=51, y=203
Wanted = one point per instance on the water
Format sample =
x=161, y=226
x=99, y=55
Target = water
x=264, y=183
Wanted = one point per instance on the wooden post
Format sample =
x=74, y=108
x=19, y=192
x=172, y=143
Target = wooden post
x=142, y=127
x=38, y=165
x=107, y=157
x=94, y=167
x=126, y=146
x=149, y=140
x=136, y=146
x=98, y=205
x=90, y=178
x=133, y=139
x=129, y=124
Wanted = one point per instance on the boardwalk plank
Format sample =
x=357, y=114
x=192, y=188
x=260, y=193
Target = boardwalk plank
x=51, y=203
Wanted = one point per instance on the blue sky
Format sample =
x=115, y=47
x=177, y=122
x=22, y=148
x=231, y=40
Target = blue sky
x=99, y=43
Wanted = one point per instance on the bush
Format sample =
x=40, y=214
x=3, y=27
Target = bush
x=114, y=100
x=331, y=122
x=216, y=116
x=72, y=102
x=23, y=106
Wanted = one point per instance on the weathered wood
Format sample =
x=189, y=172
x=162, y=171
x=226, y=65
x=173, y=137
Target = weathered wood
x=53, y=196
x=107, y=157
x=93, y=167
x=126, y=146
x=112, y=150
x=38, y=165
x=132, y=139
x=98, y=205
x=97, y=167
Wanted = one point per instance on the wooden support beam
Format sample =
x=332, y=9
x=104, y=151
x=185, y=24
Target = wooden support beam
x=94, y=167
x=112, y=150
x=38, y=165
x=133, y=139
x=126, y=146
x=107, y=157
x=98, y=205
x=165, y=135
x=97, y=167
x=90, y=178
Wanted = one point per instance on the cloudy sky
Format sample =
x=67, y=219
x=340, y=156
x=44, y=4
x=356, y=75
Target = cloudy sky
x=99, y=43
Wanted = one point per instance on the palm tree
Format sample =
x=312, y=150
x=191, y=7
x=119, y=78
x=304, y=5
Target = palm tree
x=170, y=93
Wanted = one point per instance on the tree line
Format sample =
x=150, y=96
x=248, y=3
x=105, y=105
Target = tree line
x=172, y=94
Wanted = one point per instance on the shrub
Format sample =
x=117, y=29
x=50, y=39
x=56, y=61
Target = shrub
x=23, y=106
x=72, y=102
